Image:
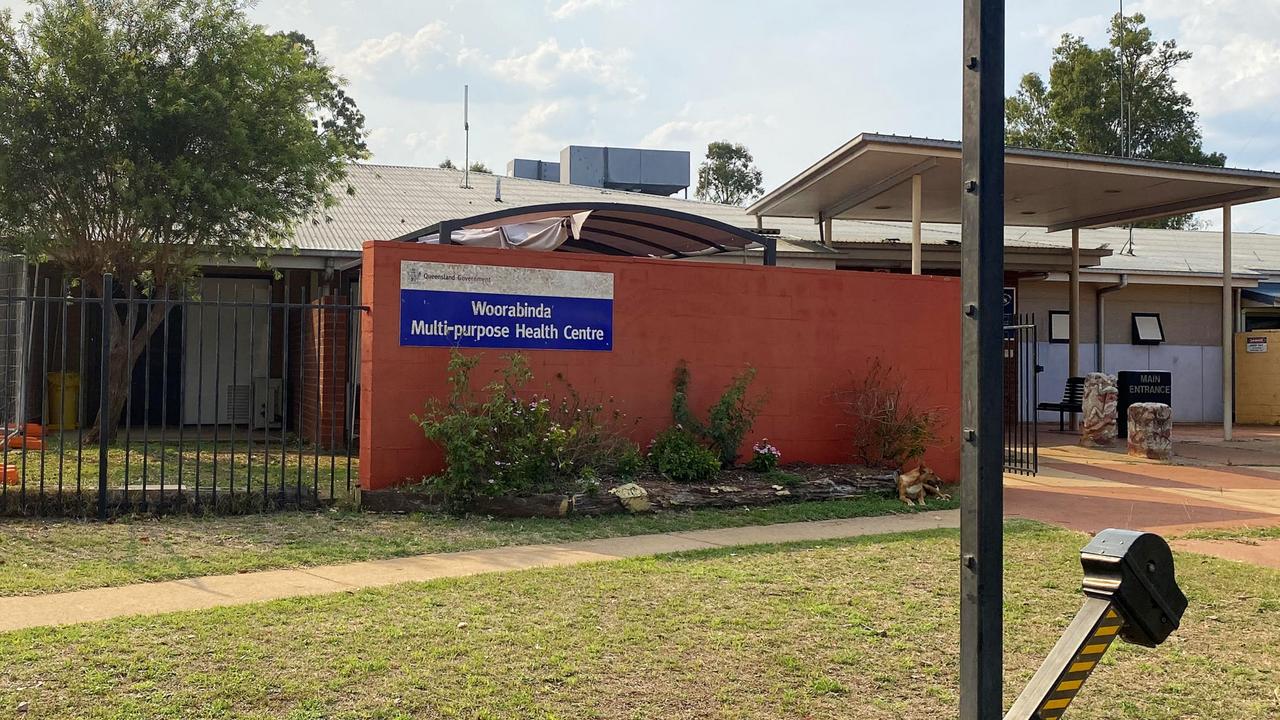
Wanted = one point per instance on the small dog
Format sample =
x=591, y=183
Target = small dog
x=916, y=485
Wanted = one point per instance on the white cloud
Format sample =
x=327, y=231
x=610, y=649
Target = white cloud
x=548, y=66
x=569, y=8
x=534, y=135
x=686, y=133
x=1236, y=51
x=1093, y=28
x=411, y=49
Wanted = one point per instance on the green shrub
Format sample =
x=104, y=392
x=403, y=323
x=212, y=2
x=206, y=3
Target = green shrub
x=728, y=421
x=677, y=455
x=630, y=461
x=889, y=428
x=594, y=437
x=505, y=440
x=681, y=414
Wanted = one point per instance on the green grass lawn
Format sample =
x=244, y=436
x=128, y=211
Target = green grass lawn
x=1246, y=534
x=199, y=465
x=864, y=628
x=42, y=556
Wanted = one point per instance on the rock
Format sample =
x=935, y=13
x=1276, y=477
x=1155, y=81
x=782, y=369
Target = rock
x=633, y=497
x=1098, y=429
x=1151, y=431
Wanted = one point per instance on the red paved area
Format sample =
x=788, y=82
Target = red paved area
x=1210, y=485
x=1114, y=508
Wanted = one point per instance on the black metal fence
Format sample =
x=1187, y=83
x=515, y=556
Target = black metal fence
x=243, y=398
x=1021, y=373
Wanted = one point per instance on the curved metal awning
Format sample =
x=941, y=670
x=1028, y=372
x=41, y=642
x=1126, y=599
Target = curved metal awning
x=621, y=229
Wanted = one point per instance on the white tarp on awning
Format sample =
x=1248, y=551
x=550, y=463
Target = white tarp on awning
x=545, y=234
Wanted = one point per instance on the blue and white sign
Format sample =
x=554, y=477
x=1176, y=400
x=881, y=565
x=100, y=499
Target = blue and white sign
x=488, y=306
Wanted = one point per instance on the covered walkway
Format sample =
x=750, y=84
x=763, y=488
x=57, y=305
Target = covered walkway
x=891, y=177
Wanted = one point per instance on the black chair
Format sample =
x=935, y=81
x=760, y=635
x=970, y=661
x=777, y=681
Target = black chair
x=1072, y=401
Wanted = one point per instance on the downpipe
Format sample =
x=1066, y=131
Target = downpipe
x=1100, y=304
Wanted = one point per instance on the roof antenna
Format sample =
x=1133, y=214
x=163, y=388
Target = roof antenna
x=466, y=132
x=1126, y=144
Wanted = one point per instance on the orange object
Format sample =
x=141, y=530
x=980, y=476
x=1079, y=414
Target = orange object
x=10, y=475
x=33, y=430
x=18, y=442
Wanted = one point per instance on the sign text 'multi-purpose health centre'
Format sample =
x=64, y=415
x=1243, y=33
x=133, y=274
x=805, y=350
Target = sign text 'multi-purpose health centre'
x=490, y=306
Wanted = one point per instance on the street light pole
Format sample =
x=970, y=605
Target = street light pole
x=982, y=391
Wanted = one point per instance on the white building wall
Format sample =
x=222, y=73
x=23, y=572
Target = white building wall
x=1191, y=317
x=1196, y=369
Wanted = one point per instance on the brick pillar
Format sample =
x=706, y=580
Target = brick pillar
x=324, y=374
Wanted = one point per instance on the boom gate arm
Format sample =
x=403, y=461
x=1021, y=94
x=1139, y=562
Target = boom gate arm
x=1130, y=592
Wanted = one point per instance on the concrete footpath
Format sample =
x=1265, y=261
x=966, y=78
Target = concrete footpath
x=223, y=590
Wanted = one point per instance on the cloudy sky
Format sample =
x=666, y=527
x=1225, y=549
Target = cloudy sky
x=790, y=79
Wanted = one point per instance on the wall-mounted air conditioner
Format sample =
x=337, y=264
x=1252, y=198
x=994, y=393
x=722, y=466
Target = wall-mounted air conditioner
x=268, y=403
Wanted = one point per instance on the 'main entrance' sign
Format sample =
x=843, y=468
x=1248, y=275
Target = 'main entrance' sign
x=490, y=306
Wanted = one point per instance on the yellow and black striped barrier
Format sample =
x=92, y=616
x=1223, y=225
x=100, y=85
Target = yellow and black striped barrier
x=1130, y=593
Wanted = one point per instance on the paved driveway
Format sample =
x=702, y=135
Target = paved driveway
x=1210, y=485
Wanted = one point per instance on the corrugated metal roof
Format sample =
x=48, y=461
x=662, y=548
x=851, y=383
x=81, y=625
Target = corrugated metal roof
x=1173, y=251
x=392, y=200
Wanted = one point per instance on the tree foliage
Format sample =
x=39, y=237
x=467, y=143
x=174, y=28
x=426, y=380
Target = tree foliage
x=729, y=175
x=447, y=164
x=480, y=167
x=144, y=137
x=1079, y=108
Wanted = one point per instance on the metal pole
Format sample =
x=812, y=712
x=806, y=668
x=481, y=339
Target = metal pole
x=466, y=134
x=917, y=211
x=1228, y=326
x=1073, y=328
x=104, y=381
x=982, y=392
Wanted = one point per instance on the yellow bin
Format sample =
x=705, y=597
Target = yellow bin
x=64, y=401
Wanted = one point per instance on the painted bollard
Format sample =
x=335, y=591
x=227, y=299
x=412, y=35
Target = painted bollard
x=1100, y=402
x=1151, y=431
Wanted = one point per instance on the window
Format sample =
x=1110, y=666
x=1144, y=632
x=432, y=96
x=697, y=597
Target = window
x=1059, y=326
x=1261, y=320
x=1147, y=329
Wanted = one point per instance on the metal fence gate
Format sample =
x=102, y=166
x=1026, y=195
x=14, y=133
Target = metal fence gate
x=1021, y=370
x=241, y=399
x=13, y=332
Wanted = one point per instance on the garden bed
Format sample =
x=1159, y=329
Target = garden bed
x=728, y=488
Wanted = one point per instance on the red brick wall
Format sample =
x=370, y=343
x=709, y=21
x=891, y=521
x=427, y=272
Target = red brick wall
x=324, y=374
x=807, y=332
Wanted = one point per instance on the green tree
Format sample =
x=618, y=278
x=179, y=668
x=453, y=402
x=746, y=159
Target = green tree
x=479, y=167
x=145, y=137
x=729, y=175
x=1080, y=108
x=447, y=164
